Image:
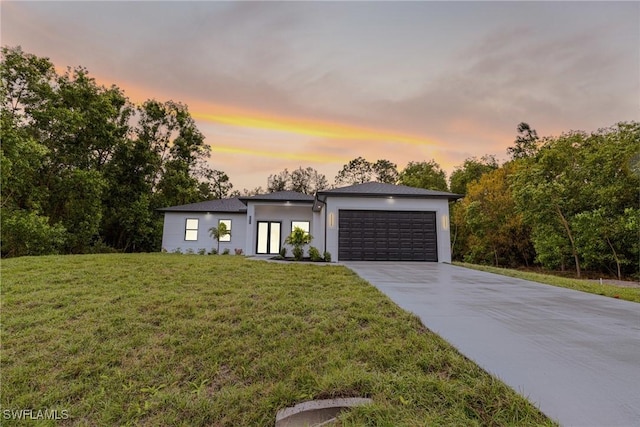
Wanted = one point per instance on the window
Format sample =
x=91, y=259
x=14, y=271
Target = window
x=191, y=229
x=227, y=222
x=300, y=224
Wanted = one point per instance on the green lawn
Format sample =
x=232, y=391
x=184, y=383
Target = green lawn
x=629, y=294
x=165, y=339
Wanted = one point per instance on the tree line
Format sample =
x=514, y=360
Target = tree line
x=564, y=202
x=84, y=170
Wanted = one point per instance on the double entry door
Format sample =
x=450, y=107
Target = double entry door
x=268, y=237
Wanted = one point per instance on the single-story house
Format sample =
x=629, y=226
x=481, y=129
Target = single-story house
x=368, y=222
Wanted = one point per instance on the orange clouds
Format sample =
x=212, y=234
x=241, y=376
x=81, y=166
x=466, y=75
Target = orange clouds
x=307, y=157
x=309, y=127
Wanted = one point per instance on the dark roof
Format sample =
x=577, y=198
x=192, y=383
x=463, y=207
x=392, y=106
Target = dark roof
x=233, y=205
x=379, y=189
x=280, y=196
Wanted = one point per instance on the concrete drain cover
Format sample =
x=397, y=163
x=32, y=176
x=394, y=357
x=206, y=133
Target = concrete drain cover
x=316, y=413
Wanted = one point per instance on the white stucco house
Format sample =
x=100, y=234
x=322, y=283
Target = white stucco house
x=366, y=222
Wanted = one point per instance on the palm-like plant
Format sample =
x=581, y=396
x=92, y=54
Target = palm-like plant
x=298, y=238
x=219, y=232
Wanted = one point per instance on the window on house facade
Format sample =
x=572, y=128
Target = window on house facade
x=191, y=229
x=300, y=224
x=227, y=222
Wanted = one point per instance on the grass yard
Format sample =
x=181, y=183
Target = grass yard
x=625, y=293
x=165, y=339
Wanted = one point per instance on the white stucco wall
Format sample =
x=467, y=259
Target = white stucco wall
x=439, y=206
x=278, y=212
x=174, y=231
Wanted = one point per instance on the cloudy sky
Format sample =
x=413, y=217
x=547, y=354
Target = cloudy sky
x=277, y=85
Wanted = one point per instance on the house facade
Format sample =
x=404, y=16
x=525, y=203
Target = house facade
x=368, y=222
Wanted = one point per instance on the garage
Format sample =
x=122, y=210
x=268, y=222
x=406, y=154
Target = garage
x=384, y=235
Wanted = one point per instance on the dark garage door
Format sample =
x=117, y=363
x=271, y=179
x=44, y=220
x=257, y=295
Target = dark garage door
x=387, y=236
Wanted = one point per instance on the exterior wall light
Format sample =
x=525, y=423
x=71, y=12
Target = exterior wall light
x=445, y=222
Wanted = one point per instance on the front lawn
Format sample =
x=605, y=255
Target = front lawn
x=167, y=339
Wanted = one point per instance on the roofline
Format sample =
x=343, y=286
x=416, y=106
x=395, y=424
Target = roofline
x=276, y=201
x=450, y=196
x=169, y=209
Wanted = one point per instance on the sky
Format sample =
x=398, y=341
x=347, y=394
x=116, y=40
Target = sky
x=275, y=85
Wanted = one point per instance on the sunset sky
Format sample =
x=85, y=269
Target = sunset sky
x=276, y=85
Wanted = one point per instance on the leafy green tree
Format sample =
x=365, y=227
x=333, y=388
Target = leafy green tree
x=471, y=171
x=68, y=126
x=549, y=193
x=357, y=171
x=577, y=195
x=218, y=184
x=75, y=158
x=428, y=175
x=303, y=180
x=279, y=182
x=497, y=231
x=385, y=171
x=307, y=181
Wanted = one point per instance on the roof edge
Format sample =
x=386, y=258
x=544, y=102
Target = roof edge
x=450, y=196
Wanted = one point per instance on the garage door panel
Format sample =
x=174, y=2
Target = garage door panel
x=387, y=235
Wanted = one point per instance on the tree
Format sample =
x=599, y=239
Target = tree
x=357, y=171
x=303, y=180
x=579, y=194
x=548, y=194
x=246, y=192
x=220, y=184
x=526, y=143
x=497, y=231
x=80, y=161
x=385, y=171
x=65, y=128
x=279, y=182
x=427, y=175
x=307, y=181
x=471, y=171
x=218, y=233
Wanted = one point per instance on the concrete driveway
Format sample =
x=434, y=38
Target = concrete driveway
x=575, y=355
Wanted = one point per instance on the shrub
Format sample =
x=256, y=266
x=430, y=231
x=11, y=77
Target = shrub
x=298, y=239
x=283, y=252
x=213, y=251
x=298, y=253
x=177, y=251
x=189, y=251
x=226, y=251
x=314, y=254
x=202, y=251
x=327, y=256
x=26, y=233
x=238, y=251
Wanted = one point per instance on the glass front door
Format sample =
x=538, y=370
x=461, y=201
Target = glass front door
x=268, y=237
